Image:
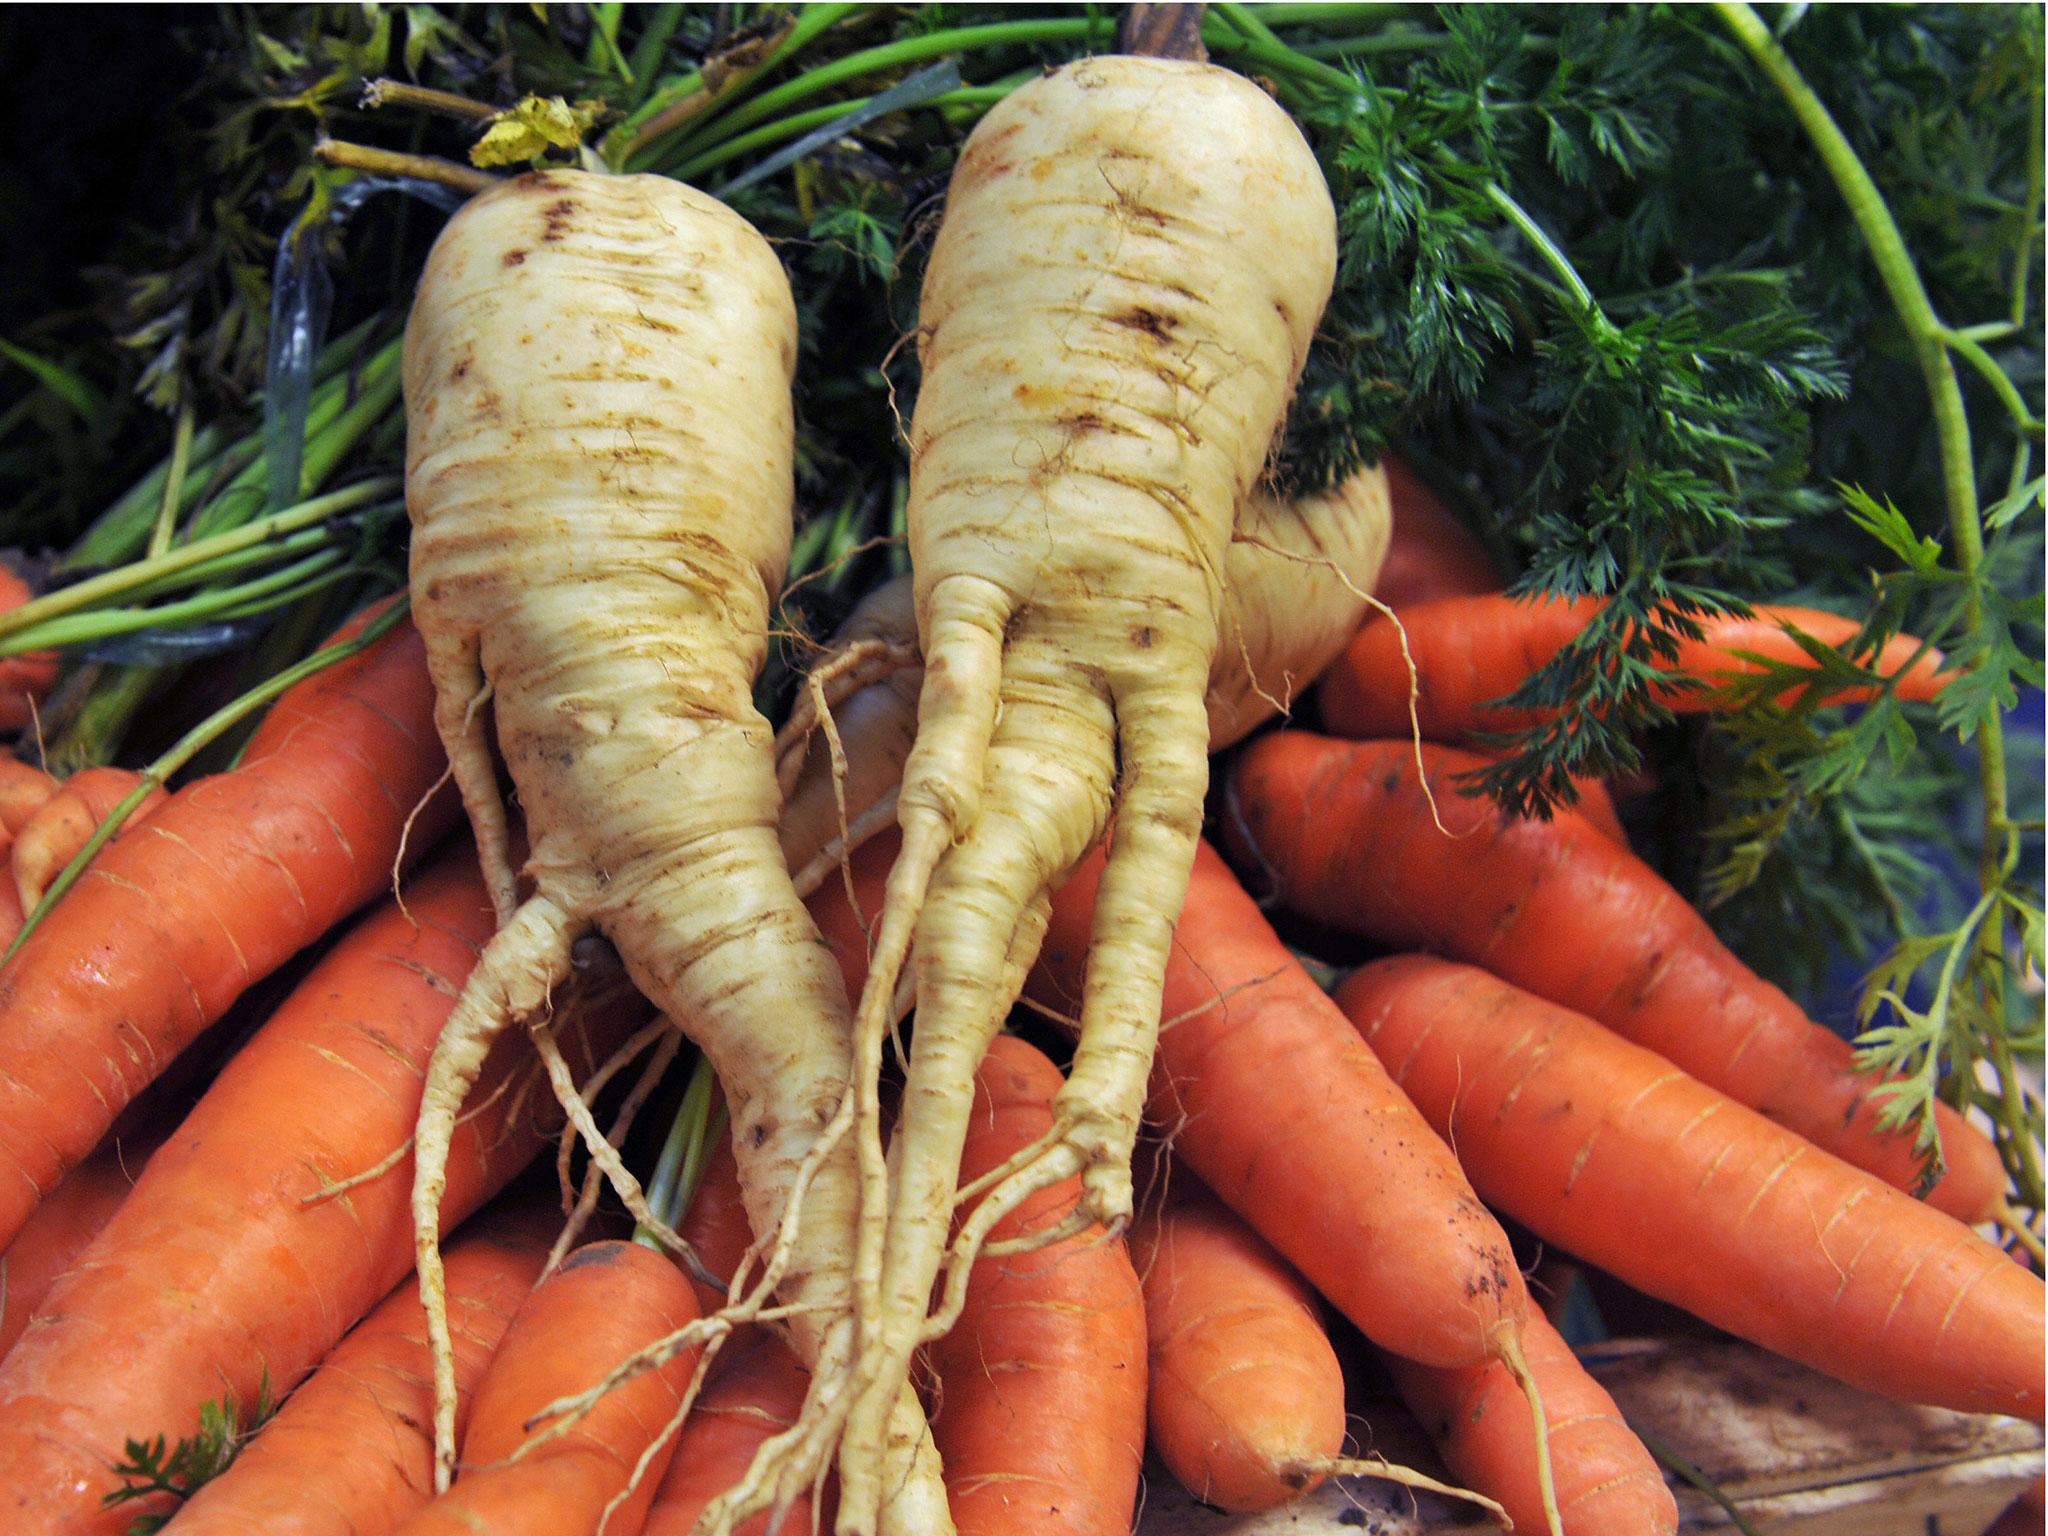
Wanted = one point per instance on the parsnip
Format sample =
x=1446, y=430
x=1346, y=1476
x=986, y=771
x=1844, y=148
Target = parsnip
x=597, y=377
x=1134, y=258
x=1293, y=579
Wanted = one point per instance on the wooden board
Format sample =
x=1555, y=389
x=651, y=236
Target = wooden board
x=1798, y=1453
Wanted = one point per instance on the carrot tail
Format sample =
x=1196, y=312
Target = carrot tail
x=1546, y=1477
x=1043, y=1379
x=512, y=980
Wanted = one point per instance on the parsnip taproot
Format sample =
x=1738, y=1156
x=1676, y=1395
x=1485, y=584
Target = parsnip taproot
x=597, y=377
x=1134, y=257
x=1293, y=577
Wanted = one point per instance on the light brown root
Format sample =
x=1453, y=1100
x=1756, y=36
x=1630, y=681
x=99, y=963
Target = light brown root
x=853, y=836
x=513, y=979
x=604, y=1155
x=1392, y=1472
x=1407, y=657
x=593, y=1085
x=1510, y=1346
x=857, y=666
x=666, y=1041
x=668, y=1433
x=389, y=1162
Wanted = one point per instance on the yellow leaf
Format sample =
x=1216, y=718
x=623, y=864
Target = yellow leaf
x=531, y=129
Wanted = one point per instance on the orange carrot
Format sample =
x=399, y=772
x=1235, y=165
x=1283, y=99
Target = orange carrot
x=62, y=1227
x=1614, y=1154
x=1344, y=832
x=1350, y=1184
x=24, y=680
x=756, y=1391
x=229, y=878
x=65, y=823
x=1471, y=650
x=1041, y=1416
x=1431, y=554
x=1607, y=1484
x=217, y=1272
x=351, y=1453
x=1246, y=1402
x=605, y=1302
x=23, y=789
x=716, y=1222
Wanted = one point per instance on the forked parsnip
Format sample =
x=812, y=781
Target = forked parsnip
x=597, y=380
x=1134, y=257
x=1294, y=581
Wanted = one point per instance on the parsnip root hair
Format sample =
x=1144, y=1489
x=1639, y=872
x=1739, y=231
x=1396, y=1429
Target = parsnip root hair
x=597, y=380
x=1134, y=258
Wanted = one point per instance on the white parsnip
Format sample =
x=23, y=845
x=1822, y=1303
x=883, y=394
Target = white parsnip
x=597, y=379
x=1294, y=579
x=1134, y=257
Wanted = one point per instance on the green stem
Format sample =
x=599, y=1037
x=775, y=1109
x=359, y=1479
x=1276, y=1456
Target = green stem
x=802, y=122
x=119, y=582
x=1401, y=40
x=681, y=1164
x=1959, y=480
x=888, y=56
x=289, y=546
x=215, y=603
x=174, y=483
x=2023, y=259
x=1546, y=249
x=94, y=736
x=628, y=145
x=158, y=773
x=1331, y=18
x=1243, y=18
x=2001, y=383
x=662, y=21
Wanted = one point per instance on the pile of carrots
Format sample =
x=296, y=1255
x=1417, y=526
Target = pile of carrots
x=163, y=1259
x=276, y=1059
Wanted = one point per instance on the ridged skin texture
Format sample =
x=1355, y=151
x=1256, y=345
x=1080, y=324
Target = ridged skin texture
x=1292, y=575
x=597, y=377
x=1615, y=1155
x=1133, y=261
x=1607, y=1483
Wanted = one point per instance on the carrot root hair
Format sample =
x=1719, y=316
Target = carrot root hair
x=1391, y=1472
x=1509, y=1344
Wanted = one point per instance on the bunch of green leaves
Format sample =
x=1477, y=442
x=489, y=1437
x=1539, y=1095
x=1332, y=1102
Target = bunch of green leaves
x=154, y=1468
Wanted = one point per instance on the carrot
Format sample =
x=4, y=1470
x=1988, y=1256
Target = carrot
x=716, y=1226
x=1345, y=833
x=1090, y=419
x=1041, y=1421
x=1472, y=650
x=216, y=1273
x=24, y=680
x=1247, y=1401
x=229, y=878
x=1612, y=1153
x=756, y=1391
x=599, y=1474
x=1400, y=1244
x=350, y=1454
x=23, y=789
x=63, y=1226
x=1607, y=1483
x=1395, y=1238
x=1432, y=554
x=65, y=823
x=599, y=475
